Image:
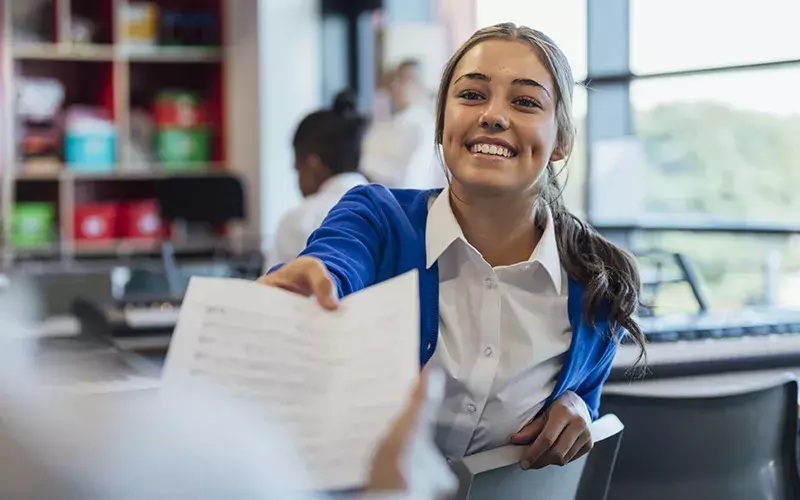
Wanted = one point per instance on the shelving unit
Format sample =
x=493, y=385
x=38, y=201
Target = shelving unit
x=120, y=78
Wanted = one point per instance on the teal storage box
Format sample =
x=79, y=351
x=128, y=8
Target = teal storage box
x=90, y=152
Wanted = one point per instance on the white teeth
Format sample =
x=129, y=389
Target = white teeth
x=491, y=149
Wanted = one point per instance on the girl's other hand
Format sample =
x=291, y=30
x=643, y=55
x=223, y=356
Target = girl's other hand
x=557, y=437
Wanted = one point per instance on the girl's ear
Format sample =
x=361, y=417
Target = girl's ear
x=557, y=154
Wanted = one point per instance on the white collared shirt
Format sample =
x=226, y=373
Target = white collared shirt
x=400, y=153
x=297, y=225
x=503, y=334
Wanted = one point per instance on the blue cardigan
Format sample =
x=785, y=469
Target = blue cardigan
x=374, y=234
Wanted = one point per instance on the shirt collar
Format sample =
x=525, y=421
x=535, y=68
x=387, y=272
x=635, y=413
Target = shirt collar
x=442, y=230
x=546, y=252
x=339, y=184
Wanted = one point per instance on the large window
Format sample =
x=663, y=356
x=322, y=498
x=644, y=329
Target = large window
x=674, y=35
x=735, y=270
x=721, y=147
x=695, y=135
x=708, y=99
x=574, y=173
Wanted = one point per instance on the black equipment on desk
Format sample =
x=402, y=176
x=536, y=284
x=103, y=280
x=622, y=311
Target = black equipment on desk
x=142, y=326
x=721, y=325
x=126, y=318
x=705, y=344
x=709, y=342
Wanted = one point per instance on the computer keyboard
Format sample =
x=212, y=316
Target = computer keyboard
x=748, y=322
x=707, y=343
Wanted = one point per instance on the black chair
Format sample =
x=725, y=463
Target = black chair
x=737, y=445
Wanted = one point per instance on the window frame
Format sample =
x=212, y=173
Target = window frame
x=610, y=76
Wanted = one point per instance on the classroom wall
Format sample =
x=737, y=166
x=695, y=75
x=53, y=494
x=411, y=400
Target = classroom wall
x=243, y=87
x=291, y=87
x=276, y=45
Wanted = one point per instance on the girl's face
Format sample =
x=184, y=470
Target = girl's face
x=311, y=172
x=500, y=127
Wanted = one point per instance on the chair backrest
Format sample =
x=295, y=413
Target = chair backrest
x=740, y=445
x=495, y=474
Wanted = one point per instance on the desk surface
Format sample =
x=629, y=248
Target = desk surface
x=703, y=385
x=80, y=365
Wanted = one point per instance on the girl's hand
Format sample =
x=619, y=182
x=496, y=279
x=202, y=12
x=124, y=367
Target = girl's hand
x=407, y=459
x=557, y=437
x=306, y=276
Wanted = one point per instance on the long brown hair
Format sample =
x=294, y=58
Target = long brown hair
x=608, y=273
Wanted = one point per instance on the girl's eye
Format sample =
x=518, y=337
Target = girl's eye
x=527, y=102
x=470, y=95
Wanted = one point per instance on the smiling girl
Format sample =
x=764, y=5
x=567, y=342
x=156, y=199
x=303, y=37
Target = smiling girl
x=522, y=304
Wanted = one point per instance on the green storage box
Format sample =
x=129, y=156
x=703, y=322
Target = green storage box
x=183, y=149
x=32, y=224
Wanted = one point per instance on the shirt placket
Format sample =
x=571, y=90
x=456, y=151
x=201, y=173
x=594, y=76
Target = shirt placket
x=488, y=355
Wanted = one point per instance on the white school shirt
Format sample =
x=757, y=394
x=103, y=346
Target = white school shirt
x=399, y=152
x=297, y=225
x=503, y=334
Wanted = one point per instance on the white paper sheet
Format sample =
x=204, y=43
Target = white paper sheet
x=334, y=380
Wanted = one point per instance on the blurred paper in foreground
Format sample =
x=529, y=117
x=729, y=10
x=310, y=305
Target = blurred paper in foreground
x=61, y=442
x=333, y=380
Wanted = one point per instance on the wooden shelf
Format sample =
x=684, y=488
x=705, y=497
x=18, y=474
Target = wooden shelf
x=122, y=53
x=146, y=172
x=127, y=172
x=114, y=248
x=137, y=246
x=117, y=246
x=63, y=52
x=170, y=54
x=34, y=252
x=33, y=177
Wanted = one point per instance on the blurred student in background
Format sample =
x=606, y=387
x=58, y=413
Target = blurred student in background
x=327, y=150
x=397, y=150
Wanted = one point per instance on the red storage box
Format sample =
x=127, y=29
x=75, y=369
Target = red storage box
x=179, y=110
x=141, y=219
x=96, y=221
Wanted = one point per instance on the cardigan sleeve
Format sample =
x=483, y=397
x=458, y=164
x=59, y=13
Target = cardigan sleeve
x=350, y=241
x=592, y=385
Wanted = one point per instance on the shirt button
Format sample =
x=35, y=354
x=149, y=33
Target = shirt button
x=488, y=352
x=472, y=408
x=490, y=284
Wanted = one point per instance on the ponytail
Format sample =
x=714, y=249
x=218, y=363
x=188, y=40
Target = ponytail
x=344, y=104
x=608, y=273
